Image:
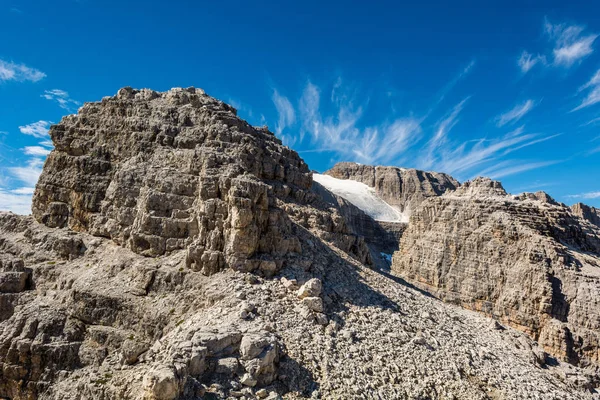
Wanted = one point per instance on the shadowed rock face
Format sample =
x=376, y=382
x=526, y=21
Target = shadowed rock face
x=526, y=260
x=159, y=172
x=399, y=187
x=590, y=214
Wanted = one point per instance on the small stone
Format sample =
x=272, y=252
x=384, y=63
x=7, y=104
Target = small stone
x=495, y=326
x=313, y=303
x=262, y=393
x=248, y=380
x=246, y=306
x=290, y=284
x=311, y=288
x=321, y=319
x=419, y=340
x=243, y=314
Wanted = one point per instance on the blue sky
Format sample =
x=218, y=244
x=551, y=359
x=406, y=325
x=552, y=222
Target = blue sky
x=510, y=90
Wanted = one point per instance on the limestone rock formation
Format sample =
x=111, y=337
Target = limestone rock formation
x=160, y=172
x=590, y=214
x=176, y=252
x=526, y=260
x=400, y=187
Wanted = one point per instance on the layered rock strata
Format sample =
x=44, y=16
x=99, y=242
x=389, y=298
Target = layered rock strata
x=400, y=187
x=526, y=260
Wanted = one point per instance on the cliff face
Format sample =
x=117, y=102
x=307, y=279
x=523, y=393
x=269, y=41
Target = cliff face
x=590, y=214
x=399, y=187
x=525, y=260
x=159, y=172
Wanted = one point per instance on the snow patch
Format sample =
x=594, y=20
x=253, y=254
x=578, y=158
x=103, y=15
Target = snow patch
x=363, y=197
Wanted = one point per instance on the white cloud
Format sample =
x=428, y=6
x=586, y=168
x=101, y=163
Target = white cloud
x=593, y=96
x=17, y=201
x=47, y=143
x=30, y=173
x=334, y=123
x=23, y=190
x=527, y=61
x=340, y=132
x=515, y=113
x=588, y=195
x=37, y=129
x=38, y=151
x=10, y=71
x=570, y=45
x=285, y=110
x=439, y=139
x=465, y=157
x=62, y=98
x=512, y=167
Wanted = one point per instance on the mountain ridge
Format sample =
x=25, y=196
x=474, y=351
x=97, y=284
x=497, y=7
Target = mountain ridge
x=176, y=252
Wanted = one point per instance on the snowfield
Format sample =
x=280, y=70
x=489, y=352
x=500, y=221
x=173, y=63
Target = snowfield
x=363, y=197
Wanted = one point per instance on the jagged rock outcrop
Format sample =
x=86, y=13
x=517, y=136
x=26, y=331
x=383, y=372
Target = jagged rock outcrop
x=159, y=172
x=176, y=252
x=590, y=214
x=526, y=260
x=400, y=187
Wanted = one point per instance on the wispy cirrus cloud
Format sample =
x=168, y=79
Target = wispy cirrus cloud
x=515, y=114
x=440, y=137
x=287, y=116
x=341, y=132
x=334, y=122
x=37, y=151
x=527, y=61
x=10, y=71
x=587, y=195
x=570, y=44
x=512, y=167
x=469, y=159
x=29, y=173
x=17, y=200
x=61, y=98
x=593, y=93
x=37, y=129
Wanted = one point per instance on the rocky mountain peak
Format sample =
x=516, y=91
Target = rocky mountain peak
x=480, y=187
x=158, y=172
x=403, y=188
x=539, y=196
x=590, y=214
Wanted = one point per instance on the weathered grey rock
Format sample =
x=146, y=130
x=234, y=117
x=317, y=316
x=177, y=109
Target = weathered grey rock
x=311, y=288
x=164, y=216
x=160, y=172
x=525, y=260
x=590, y=214
x=400, y=187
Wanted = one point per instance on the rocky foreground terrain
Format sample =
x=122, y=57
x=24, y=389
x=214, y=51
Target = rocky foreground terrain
x=176, y=252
